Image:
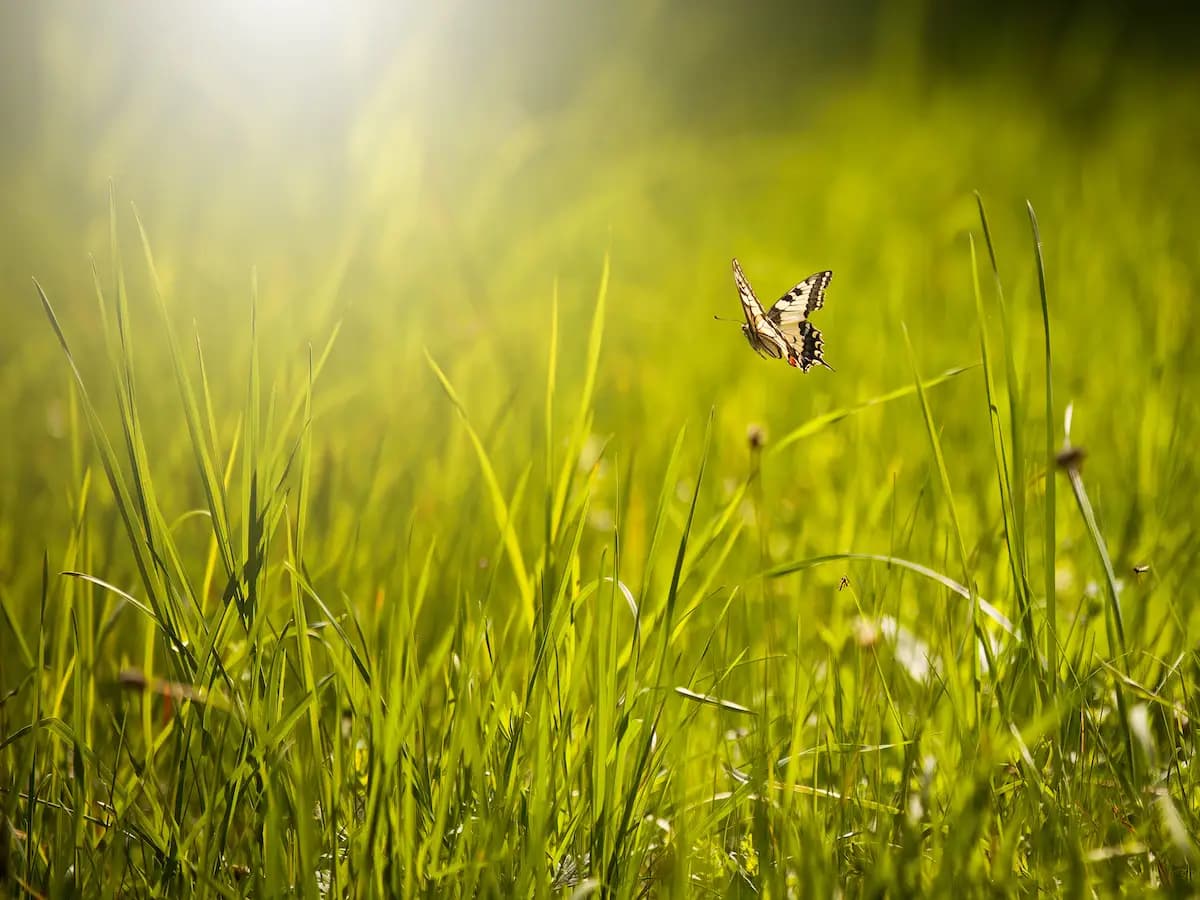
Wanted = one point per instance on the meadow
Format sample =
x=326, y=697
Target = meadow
x=382, y=512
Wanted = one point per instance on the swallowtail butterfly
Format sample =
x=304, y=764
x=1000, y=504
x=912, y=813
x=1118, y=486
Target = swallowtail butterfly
x=784, y=330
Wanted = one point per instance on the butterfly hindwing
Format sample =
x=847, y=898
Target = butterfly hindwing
x=808, y=346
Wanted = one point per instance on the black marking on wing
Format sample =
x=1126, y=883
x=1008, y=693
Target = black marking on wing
x=807, y=346
x=799, y=303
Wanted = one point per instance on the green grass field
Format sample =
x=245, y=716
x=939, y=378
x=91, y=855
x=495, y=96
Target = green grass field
x=382, y=512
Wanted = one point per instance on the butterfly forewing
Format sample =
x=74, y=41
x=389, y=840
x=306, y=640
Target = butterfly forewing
x=750, y=305
x=764, y=336
x=798, y=303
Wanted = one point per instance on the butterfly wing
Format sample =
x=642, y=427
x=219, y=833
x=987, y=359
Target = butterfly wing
x=807, y=347
x=763, y=334
x=750, y=305
x=798, y=303
x=790, y=315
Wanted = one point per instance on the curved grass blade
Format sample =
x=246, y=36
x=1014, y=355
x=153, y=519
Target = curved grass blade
x=819, y=423
x=500, y=509
x=984, y=607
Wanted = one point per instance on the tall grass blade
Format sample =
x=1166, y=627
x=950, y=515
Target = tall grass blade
x=1013, y=537
x=1049, y=549
x=503, y=515
x=960, y=543
x=583, y=413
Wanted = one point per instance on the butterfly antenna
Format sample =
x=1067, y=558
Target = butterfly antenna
x=722, y=319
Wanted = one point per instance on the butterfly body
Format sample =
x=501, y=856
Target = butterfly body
x=784, y=331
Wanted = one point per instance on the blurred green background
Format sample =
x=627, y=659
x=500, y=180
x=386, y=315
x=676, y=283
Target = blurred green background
x=424, y=178
x=426, y=173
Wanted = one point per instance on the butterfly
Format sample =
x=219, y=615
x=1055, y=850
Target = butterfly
x=784, y=329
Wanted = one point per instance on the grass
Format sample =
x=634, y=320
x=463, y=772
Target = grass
x=550, y=588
